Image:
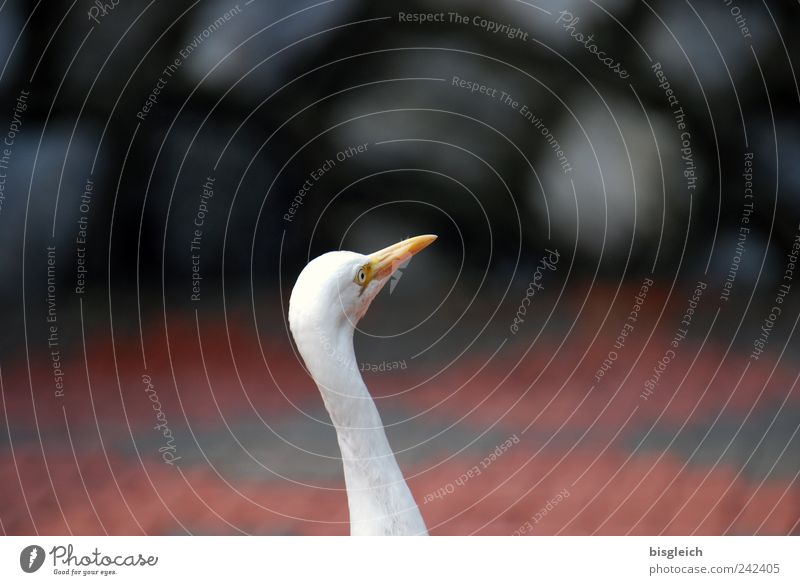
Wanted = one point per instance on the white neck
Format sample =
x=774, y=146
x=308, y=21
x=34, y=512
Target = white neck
x=377, y=494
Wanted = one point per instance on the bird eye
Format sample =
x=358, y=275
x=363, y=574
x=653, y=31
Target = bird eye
x=361, y=276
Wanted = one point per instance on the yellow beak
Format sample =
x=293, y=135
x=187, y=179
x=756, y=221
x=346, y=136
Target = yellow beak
x=384, y=262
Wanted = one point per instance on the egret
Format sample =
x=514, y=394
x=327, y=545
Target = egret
x=330, y=296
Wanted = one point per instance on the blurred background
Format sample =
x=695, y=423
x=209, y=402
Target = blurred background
x=605, y=327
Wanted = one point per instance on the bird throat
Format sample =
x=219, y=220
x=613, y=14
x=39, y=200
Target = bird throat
x=379, y=499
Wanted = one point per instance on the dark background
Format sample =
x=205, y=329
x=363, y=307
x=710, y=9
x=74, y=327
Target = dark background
x=265, y=98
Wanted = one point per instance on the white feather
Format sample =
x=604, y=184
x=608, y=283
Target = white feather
x=324, y=308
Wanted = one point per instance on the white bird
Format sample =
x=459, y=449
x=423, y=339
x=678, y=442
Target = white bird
x=330, y=296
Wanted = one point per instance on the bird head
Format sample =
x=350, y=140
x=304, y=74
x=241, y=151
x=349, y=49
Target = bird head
x=336, y=289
